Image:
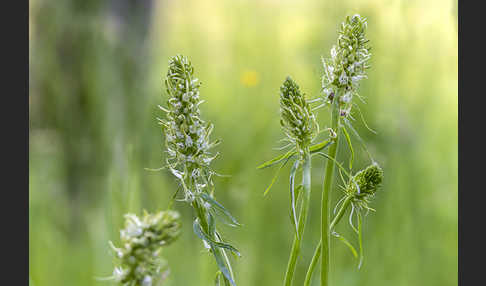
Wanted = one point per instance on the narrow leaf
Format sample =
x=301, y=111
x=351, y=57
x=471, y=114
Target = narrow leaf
x=214, y=249
x=364, y=121
x=222, y=266
x=360, y=239
x=207, y=198
x=277, y=159
x=293, y=171
x=357, y=136
x=202, y=235
x=347, y=243
x=341, y=168
x=313, y=148
x=320, y=146
x=297, y=191
x=275, y=177
x=336, y=162
x=350, y=145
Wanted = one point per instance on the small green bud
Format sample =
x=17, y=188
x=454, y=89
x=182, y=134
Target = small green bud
x=297, y=118
x=368, y=180
x=141, y=241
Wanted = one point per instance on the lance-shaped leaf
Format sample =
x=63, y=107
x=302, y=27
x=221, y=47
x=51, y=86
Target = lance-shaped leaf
x=277, y=159
x=293, y=171
x=203, y=235
x=297, y=191
x=275, y=176
x=347, y=243
x=207, y=198
x=348, y=124
x=360, y=239
x=350, y=145
x=313, y=148
x=217, y=254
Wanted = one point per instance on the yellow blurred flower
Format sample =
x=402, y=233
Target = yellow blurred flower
x=249, y=78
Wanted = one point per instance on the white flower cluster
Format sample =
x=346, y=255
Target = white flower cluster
x=141, y=240
x=187, y=135
x=348, y=63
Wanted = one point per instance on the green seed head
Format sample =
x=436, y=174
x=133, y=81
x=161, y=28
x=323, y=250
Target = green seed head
x=368, y=180
x=141, y=240
x=348, y=63
x=187, y=135
x=297, y=118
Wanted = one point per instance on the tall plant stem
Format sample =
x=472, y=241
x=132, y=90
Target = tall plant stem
x=326, y=194
x=317, y=253
x=306, y=183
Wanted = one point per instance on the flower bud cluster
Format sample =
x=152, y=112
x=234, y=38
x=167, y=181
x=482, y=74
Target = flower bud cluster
x=141, y=240
x=368, y=181
x=297, y=118
x=348, y=63
x=187, y=135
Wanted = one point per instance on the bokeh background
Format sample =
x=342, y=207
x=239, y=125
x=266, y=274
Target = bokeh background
x=96, y=78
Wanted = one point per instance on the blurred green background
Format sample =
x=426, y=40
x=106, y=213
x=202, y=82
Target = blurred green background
x=96, y=77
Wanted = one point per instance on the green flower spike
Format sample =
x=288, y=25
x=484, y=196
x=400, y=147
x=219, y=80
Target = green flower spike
x=188, y=145
x=142, y=240
x=297, y=119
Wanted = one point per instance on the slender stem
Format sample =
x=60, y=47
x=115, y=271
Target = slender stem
x=205, y=225
x=317, y=252
x=312, y=266
x=326, y=192
x=306, y=183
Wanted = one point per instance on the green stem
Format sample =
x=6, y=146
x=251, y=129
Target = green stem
x=306, y=183
x=326, y=192
x=317, y=252
x=201, y=214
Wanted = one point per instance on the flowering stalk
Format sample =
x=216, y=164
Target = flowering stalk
x=141, y=242
x=342, y=73
x=359, y=191
x=299, y=124
x=300, y=127
x=188, y=145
